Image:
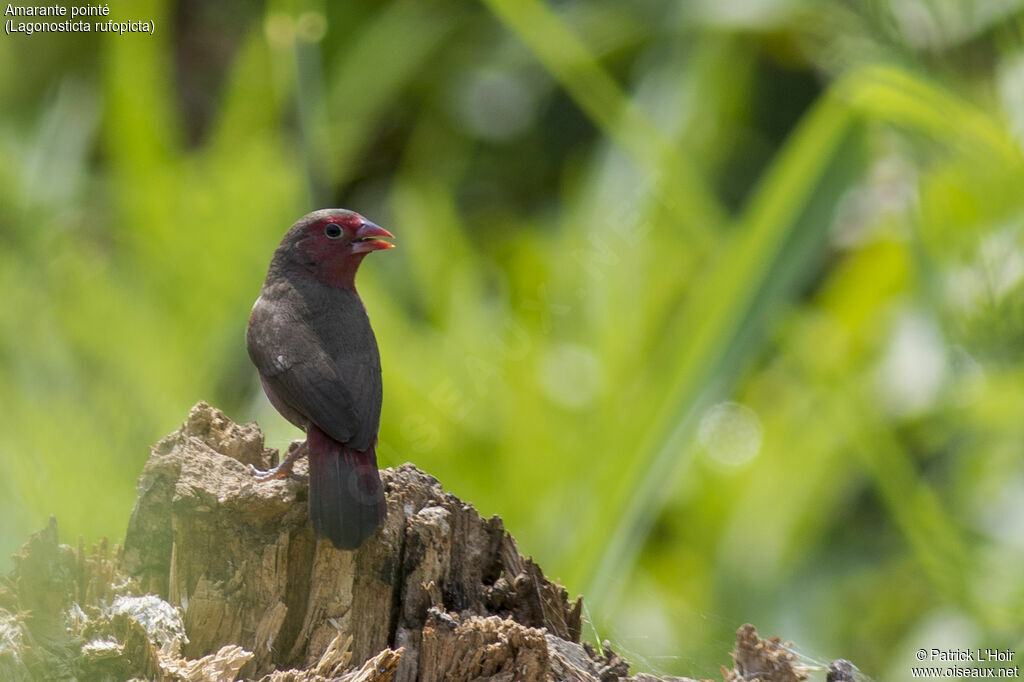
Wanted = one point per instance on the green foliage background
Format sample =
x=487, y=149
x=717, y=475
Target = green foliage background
x=717, y=303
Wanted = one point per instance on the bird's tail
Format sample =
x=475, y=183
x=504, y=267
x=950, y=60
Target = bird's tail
x=346, y=501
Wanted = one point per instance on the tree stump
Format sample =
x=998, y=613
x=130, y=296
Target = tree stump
x=221, y=578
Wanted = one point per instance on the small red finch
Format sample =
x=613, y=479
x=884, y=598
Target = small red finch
x=310, y=338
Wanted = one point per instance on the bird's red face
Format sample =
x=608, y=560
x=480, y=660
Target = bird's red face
x=331, y=247
x=344, y=235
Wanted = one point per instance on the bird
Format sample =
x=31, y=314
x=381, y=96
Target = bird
x=316, y=354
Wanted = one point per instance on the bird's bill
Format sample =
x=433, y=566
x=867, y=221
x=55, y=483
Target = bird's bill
x=370, y=237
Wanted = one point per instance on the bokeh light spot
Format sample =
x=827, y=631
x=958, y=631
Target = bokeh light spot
x=571, y=375
x=730, y=434
x=495, y=105
x=279, y=29
x=311, y=27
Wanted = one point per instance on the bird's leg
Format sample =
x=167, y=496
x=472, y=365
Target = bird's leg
x=283, y=469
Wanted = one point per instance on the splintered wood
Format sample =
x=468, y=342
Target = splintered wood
x=240, y=559
x=221, y=578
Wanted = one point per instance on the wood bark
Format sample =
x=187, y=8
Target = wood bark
x=221, y=578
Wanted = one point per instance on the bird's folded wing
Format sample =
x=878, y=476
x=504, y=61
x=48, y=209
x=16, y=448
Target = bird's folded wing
x=291, y=359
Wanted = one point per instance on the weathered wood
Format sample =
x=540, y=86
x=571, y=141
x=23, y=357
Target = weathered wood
x=239, y=557
x=221, y=577
x=762, y=659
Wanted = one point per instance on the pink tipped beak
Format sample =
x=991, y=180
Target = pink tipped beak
x=370, y=237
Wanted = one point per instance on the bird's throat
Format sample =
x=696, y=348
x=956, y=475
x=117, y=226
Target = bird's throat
x=338, y=273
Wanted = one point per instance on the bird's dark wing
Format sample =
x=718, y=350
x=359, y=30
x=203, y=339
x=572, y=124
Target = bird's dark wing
x=292, y=360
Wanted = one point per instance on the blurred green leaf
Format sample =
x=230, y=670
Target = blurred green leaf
x=717, y=306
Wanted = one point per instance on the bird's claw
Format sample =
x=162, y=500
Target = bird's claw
x=282, y=470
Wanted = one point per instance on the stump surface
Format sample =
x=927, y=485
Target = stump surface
x=221, y=578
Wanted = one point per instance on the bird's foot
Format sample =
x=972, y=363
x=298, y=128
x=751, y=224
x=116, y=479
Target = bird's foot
x=284, y=469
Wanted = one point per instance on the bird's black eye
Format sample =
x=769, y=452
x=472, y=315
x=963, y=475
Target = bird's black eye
x=332, y=230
